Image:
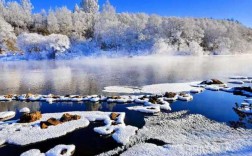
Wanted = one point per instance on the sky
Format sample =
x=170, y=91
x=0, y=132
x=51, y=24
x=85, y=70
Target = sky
x=240, y=10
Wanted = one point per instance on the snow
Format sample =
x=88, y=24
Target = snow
x=213, y=87
x=146, y=149
x=238, y=77
x=146, y=109
x=186, y=97
x=121, y=89
x=2, y=141
x=122, y=134
x=33, y=152
x=24, y=110
x=249, y=100
x=236, y=82
x=227, y=89
x=7, y=115
x=197, y=90
x=193, y=135
x=56, y=151
x=153, y=89
x=27, y=133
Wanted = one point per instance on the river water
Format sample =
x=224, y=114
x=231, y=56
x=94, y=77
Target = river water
x=89, y=76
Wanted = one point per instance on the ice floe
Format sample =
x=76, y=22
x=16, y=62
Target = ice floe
x=7, y=115
x=27, y=133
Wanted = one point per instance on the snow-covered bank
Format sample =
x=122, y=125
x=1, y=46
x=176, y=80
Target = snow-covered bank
x=184, y=134
x=27, y=133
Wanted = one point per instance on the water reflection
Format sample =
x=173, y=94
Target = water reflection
x=89, y=76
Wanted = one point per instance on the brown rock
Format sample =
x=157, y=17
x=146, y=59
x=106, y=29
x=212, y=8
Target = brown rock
x=214, y=81
x=30, y=117
x=53, y=121
x=113, y=116
x=170, y=95
x=68, y=117
x=43, y=125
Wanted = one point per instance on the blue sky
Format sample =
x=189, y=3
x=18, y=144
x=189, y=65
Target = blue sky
x=220, y=9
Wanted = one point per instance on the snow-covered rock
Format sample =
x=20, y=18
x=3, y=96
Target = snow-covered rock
x=146, y=109
x=185, y=97
x=197, y=90
x=238, y=77
x=236, y=81
x=213, y=87
x=33, y=152
x=7, y=115
x=24, y=110
x=57, y=150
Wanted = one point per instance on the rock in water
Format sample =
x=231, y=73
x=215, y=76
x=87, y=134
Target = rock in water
x=68, y=117
x=30, y=117
x=53, y=121
x=24, y=110
x=113, y=116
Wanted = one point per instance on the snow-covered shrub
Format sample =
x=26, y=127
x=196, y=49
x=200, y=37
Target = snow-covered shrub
x=35, y=43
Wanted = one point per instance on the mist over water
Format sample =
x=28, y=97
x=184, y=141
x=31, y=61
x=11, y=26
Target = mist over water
x=90, y=76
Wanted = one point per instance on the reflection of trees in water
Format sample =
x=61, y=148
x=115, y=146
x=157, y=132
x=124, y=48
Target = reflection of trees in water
x=14, y=105
x=109, y=106
x=91, y=106
x=244, y=121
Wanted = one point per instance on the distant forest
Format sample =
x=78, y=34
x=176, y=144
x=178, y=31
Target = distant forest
x=90, y=28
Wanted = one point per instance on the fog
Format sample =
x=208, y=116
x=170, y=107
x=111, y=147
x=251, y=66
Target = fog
x=89, y=75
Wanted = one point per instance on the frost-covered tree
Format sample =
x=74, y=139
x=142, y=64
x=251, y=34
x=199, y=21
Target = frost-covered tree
x=64, y=19
x=40, y=22
x=90, y=6
x=49, y=45
x=52, y=23
x=7, y=36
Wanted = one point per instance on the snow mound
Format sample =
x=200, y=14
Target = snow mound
x=24, y=110
x=33, y=152
x=146, y=109
x=123, y=133
x=7, y=115
x=68, y=150
x=57, y=150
